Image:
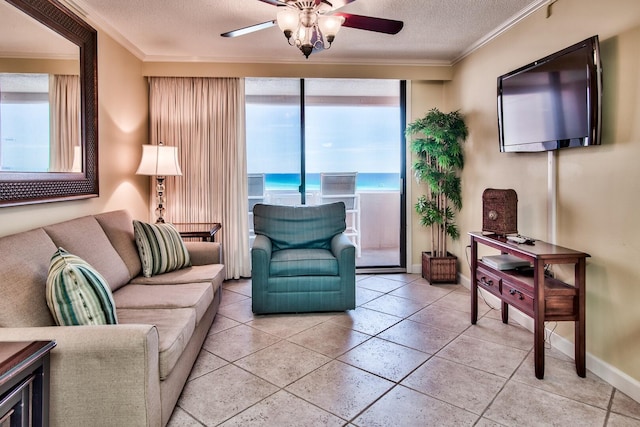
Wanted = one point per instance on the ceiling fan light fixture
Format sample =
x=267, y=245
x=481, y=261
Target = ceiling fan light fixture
x=287, y=21
x=330, y=25
x=306, y=28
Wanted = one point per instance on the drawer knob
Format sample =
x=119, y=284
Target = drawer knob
x=513, y=292
x=484, y=281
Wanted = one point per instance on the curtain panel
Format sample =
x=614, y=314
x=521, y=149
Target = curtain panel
x=204, y=118
x=64, y=123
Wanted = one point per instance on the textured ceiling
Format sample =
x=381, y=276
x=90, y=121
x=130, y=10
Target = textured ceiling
x=435, y=31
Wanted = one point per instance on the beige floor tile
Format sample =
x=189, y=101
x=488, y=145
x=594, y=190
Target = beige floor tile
x=461, y=302
x=366, y=321
x=408, y=408
x=494, y=330
x=418, y=336
x=617, y=420
x=380, y=284
x=284, y=410
x=286, y=325
x=401, y=277
x=239, y=311
x=521, y=405
x=364, y=295
x=282, y=363
x=443, y=318
x=487, y=356
x=340, y=389
x=460, y=385
x=483, y=422
x=396, y=306
x=329, y=338
x=235, y=343
x=218, y=396
x=205, y=363
x=384, y=358
x=230, y=297
x=220, y=323
x=625, y=405
x=242, y=286
x=423, y=293
x=342, y=369
x=560, y=377
x=180, y=418
x=494, y=313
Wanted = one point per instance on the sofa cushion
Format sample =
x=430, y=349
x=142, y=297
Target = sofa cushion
x=303, y=262
x=118, y=226
x=84, y=237
x=175, y=328
x=77, y=294
x=188, y=295
x=210, y=273
x=23, y=276
x=291, y=227
x=160, y=247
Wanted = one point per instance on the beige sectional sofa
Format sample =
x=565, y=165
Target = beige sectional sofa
x=129, y=374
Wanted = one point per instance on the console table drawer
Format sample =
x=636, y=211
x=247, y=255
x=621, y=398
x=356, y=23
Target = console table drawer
x=560, y=301
x=488, y=280
x=515, y=297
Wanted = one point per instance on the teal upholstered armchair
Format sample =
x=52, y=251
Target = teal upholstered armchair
x=302, y=260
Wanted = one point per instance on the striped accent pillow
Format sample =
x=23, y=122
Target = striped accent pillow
x=77, y=294
x=160, y=247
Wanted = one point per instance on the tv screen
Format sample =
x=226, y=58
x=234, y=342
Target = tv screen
x=552, y=103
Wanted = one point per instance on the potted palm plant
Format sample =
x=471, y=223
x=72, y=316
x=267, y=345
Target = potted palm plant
x=439, y=159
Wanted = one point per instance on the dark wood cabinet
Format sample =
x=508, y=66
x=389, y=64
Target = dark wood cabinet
x=534, y=293
x=24, y=383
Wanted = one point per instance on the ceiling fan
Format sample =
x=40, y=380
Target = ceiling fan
x=313, y=24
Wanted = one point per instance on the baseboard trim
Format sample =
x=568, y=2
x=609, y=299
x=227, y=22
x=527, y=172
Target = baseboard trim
x=609, y=373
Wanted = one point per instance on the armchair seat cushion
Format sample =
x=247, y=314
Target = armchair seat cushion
x=303, y=262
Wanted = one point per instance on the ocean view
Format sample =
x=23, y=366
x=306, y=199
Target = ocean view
x=365, y=181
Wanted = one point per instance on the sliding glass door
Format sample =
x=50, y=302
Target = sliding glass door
x=321, y=140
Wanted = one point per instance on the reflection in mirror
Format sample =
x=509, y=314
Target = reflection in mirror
x=40, y=123
x=40, y=98
x=48, y=152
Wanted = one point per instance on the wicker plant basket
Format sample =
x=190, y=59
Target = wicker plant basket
x=439, y=269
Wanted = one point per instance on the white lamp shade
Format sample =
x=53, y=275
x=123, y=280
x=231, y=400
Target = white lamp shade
x=330, y=25
x=159, y=160
x=287, y=20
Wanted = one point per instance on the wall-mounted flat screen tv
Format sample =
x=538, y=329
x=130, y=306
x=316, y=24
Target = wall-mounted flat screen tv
x=554, y=102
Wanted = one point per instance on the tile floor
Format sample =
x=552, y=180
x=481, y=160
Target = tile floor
x=406, y=356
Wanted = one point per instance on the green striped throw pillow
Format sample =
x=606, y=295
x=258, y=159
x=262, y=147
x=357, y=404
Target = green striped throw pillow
x=77, y=294
x=160, y=247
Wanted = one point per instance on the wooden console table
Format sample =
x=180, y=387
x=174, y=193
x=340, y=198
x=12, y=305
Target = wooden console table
x=541, y=297
x=24, y=383
x=204, y=231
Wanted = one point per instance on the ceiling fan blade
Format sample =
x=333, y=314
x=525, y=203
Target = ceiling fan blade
x=369, y=23
x=249, y=29
x=337, y=4
x=275, y=2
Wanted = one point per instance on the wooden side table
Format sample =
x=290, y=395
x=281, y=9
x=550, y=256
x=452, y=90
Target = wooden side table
x=200, y=230
x=536, y=295
x=24, y=383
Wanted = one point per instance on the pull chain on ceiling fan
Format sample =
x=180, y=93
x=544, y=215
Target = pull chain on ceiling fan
x=313, y=24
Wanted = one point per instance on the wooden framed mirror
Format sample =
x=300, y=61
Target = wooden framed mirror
x=36, y=186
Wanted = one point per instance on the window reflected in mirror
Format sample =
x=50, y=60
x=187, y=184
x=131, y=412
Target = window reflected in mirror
x=40, y=126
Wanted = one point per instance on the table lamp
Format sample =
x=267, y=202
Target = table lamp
x=159, y=161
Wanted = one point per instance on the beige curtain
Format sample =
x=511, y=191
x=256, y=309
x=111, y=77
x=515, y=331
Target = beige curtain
x=204, y=118
x=64, y=126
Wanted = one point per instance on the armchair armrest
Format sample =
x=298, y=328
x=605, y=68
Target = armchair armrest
x=260, y=259
x=202, y=253
x=345, y=251
x=100, y=373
